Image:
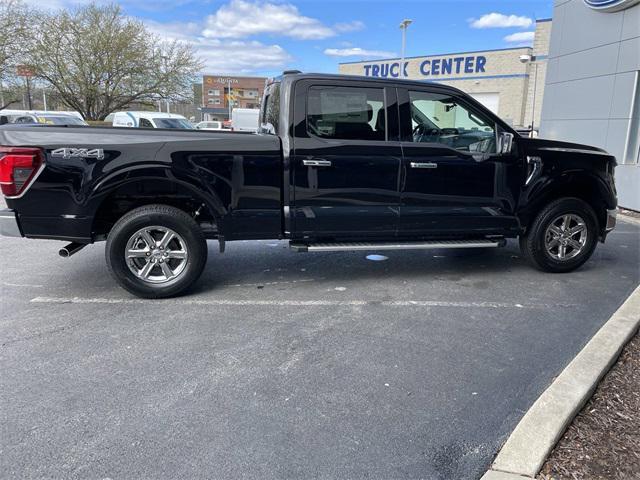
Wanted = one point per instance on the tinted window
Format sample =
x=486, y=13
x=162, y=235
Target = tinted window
x=437, y=118
x=171, y=123
x=271, y=110
x=349, y=113
x=144, y=123
x=24, y=120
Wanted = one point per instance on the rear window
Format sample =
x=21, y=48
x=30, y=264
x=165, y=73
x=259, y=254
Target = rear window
x=271, y=109
x=347, y=113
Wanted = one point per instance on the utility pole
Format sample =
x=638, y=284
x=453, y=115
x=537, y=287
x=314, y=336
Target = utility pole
x=164, y=61
x=29, y=102
x=403, y=26
x=44, y=98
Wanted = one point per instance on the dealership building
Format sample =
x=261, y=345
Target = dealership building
x=592, y=90
x=497, y=78
x=218, y=91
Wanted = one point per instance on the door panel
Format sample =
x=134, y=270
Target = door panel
x=345, y=173
x=450, y=185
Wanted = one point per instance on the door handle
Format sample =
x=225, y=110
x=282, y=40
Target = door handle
x=423, y=165
x=317, y=163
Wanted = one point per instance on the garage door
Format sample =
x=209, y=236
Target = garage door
x=489, y=100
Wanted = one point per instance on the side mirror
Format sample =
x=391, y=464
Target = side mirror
x=505, y=143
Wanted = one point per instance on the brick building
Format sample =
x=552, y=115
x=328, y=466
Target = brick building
x=496, y=78
x=220, y=90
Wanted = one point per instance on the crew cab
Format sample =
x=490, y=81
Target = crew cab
x=339, y=163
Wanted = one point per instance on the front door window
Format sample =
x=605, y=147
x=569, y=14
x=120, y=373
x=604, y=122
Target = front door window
x=440, y=118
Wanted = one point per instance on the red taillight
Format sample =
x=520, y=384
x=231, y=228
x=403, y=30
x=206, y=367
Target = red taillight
x=18, y=166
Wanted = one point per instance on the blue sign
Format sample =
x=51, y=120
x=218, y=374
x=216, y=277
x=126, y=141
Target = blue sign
x=431, y=67
x=610, y=5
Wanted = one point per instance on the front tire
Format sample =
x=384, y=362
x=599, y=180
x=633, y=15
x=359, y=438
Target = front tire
x=156, y=251
x=562, y=237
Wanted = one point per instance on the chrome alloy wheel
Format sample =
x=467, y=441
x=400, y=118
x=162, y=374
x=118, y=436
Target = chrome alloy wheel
x=156, y=254
x=565, y=237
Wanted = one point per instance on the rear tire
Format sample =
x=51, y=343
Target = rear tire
x=562, y=237
x=156, y=251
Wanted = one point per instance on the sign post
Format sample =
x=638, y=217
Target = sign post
x=229, y=99
x=26, y=72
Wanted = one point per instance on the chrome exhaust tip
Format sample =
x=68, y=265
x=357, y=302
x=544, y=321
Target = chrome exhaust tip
x=71, y=249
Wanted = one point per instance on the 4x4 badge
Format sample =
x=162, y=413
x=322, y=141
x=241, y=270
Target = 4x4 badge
x=78, y=153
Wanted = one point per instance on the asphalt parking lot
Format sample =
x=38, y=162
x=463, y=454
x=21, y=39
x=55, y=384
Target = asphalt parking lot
x=288, y=365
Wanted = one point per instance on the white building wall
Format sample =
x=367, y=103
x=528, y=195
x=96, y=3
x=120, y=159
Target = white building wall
x=592, y=92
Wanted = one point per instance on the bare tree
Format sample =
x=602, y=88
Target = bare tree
x=14, y=38
x=98, y=61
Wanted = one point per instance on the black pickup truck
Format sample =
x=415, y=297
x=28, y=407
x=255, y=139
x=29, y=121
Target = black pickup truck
x=340, y=163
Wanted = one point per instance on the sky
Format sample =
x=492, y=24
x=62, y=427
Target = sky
x=265, y=37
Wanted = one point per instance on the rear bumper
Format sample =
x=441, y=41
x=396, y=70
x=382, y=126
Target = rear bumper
x=9, y=226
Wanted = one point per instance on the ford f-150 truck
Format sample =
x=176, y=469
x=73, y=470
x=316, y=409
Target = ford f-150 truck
x=340, y=163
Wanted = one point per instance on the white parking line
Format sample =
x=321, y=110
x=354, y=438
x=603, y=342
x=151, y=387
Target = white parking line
x=297, y=303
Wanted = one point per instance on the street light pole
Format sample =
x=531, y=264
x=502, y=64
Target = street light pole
x=403, y=26
x=535, y=91
x=532, y=59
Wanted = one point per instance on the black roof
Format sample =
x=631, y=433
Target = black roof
x=363, y=79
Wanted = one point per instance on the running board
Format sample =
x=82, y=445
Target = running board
x=424, y=245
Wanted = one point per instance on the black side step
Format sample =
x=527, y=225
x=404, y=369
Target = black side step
x=422, y=245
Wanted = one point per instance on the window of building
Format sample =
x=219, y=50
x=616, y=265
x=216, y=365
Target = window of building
x=438, y=118
x=214, y=93
x=348, y=113
x=213, y=101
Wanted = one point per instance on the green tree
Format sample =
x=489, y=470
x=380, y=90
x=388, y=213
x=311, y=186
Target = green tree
x=98, y=61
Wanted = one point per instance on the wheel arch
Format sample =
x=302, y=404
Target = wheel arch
x=112, y=199
x=582, y=185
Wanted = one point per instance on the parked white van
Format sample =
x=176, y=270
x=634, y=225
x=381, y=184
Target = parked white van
x=150, y=120
x=245, y=119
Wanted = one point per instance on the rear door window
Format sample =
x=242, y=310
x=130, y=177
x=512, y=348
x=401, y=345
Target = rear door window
x=346, y=113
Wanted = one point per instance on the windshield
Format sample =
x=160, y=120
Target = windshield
x=172, y=123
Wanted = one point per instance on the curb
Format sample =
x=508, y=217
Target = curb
x=526, y=450
x=628, y=219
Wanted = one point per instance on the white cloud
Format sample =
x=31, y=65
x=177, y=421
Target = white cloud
x=358, y=52
x=520, y=37
x=224, y=55
x=499, y=20
x=347, y=27
x=242, y=18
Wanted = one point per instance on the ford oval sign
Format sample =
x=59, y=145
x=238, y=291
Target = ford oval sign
x=610, y=5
